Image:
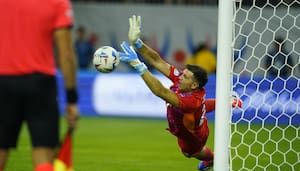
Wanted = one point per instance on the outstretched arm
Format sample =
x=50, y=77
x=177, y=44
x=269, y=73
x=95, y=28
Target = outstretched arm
x=159, y=90
x=210, y=105
x=154, y=59
x=153, y=83
x=150, y=55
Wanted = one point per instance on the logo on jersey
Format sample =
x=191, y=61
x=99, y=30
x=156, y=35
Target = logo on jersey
x=176, y=72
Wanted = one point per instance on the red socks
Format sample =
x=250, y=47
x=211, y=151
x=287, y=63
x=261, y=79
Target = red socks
x=44, y=167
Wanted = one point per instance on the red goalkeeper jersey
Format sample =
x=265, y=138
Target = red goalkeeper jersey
x=188, y=122
x=192, y=104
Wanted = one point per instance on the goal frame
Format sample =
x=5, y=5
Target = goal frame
x=223, y=86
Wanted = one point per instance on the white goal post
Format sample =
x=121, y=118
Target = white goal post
x=259, y=60
x=223, y=85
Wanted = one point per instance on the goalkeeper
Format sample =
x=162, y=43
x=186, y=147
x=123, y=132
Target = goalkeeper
x=186, y=103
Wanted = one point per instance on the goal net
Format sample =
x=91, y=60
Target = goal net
x=265, y=133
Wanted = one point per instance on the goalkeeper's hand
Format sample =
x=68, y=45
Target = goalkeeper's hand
x=129, y=56
x=236, y=102
x=135, y=31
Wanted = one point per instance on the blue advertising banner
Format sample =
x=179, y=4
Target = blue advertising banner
x=270, y=101
x=85, y=86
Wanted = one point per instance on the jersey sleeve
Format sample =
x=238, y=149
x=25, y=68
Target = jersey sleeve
x=174, y=74
x=189, y=104
x=64, y=14
x=210, y=105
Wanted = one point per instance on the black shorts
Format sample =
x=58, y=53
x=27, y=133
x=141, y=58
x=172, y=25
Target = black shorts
x=30, y=98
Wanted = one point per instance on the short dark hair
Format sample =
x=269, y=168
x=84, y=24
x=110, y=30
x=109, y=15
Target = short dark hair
x=199, y=74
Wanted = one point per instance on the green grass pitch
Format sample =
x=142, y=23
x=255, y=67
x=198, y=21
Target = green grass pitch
x=116, y=144
x=134, y=144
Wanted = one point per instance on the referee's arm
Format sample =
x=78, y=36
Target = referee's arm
x=66, y=56
x=68, y=65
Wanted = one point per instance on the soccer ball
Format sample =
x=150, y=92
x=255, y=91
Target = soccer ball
x=106, y=59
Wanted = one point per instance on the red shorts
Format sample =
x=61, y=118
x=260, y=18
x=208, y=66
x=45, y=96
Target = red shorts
x=191, y=144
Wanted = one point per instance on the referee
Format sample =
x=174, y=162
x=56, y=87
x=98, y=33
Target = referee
x=29, y=30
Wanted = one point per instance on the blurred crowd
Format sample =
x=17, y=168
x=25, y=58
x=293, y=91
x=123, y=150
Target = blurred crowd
x=278, y=61
x=195, y=2
x=201, y=54
x=84, y=46
x=179, y=2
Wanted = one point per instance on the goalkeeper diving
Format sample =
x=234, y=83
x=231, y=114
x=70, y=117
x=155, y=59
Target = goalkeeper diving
x=185, y=99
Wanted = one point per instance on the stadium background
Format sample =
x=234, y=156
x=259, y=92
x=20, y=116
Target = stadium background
x=137, y=140
x=124, y=94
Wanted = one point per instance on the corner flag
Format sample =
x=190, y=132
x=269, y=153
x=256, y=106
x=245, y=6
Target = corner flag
x=63, y=161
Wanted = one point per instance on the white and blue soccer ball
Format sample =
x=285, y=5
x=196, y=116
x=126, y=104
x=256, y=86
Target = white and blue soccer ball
x=106, y=59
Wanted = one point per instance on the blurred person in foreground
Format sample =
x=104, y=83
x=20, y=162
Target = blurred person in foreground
x=186, y=103
x=27, y=75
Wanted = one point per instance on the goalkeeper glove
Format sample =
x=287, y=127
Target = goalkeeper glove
x=236, y=102
x=135, y=31
x=130, y=56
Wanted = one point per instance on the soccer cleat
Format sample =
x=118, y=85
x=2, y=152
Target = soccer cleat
x=205, y=165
